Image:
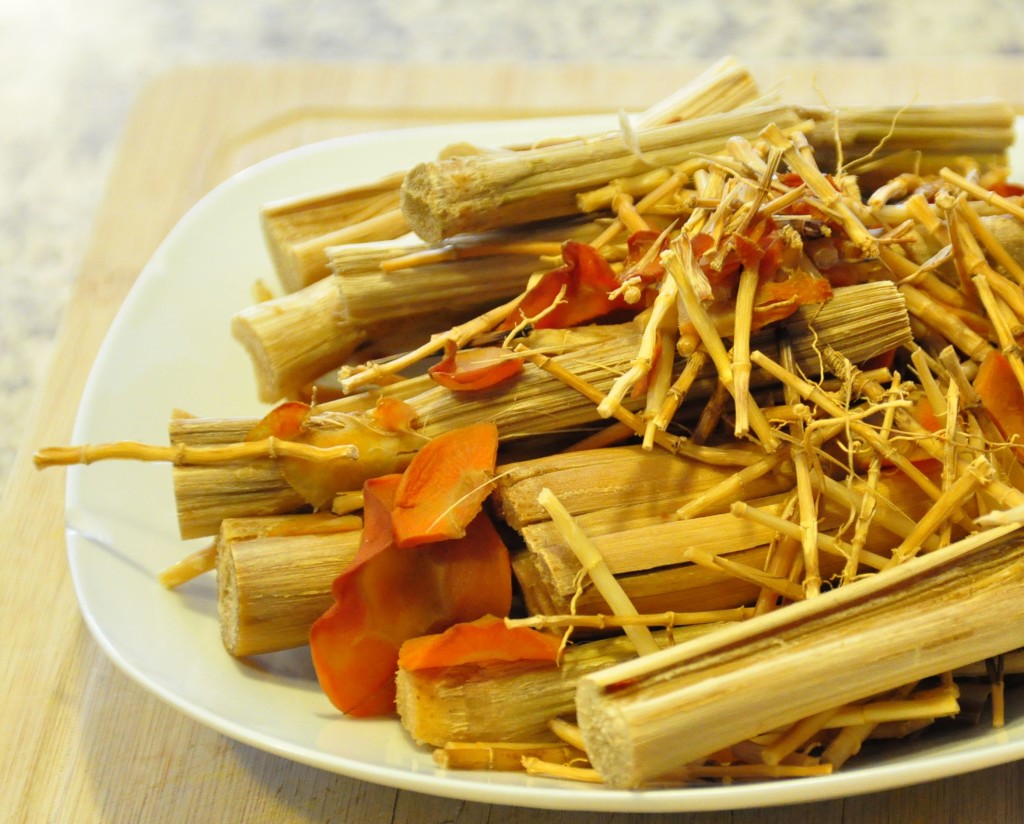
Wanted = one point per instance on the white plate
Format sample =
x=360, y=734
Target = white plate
x=170, y=347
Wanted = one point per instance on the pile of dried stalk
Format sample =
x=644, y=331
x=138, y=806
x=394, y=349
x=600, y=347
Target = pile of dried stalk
x=755, y=378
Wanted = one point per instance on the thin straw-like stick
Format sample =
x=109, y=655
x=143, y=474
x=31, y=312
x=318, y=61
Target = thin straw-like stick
x=869, y=503
x=982, y=194
x=679, y=262
x=182, y=454
x=661, y=619
x=662, y=315
x=947, y=504
x=806, y=505
x=659, y=383
x=781, y=586
x=352, y=379
x=708, y=454
x=680, y=388
x=745, y=292
x=979, y=228
x=645, y=718
x=825, y=543
x=1010, y=347
x=592, y=561
x=868, y=434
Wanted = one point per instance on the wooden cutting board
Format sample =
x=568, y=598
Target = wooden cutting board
x=83, y=743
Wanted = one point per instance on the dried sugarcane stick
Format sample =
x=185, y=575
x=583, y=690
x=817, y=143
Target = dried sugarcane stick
x=644, y=718
x=294, y=339
x=441, y=199
x=274, y=577
x=298, y=230
x=507, y=701
x=297, y=338
x=881, y=142
x=473, y=272
x=206, y=495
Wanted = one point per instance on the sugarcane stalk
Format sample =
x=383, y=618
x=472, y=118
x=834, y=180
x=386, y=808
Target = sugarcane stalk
x=441, y=199
x=644, y=718
x=296, y=228
x=274, y=577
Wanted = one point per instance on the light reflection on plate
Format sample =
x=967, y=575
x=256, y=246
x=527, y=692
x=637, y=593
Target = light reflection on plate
x=170, y=347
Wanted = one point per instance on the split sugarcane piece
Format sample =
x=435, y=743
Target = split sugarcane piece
x=647, y=717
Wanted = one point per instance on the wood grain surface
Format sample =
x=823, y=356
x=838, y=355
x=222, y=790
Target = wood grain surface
x=80, y=742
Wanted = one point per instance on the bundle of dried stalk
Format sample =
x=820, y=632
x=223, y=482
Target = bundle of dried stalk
x=442, y=199
x=765, y=253
x=206, y=494
x=299, y=230
x=656, y=714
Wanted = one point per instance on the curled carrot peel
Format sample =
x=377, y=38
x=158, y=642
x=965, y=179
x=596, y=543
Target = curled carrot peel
x=445, y=485
x=388, y=595
x=1001, y=394
x=284, y=421
x=486, y=639
x=587, y=279
x=467, y=370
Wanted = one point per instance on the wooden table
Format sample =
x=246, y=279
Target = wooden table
x=81, y=742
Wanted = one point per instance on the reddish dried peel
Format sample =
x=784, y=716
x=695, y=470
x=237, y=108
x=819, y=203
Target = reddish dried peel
x=775, y=300
x=445, y=485
x=486, y=639
x=638, y=247
x=394, y=415
x=588, y=279
x=389, y=595
x=284, y=421
x=1001, y=394
x=467, y=370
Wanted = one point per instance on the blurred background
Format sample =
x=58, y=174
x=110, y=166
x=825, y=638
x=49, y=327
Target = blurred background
x=70, y=70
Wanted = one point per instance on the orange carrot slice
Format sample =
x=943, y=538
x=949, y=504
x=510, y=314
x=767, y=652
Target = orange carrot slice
x=1002, y=396
x=445, y=485
x=468, y=370
x=388, y=595
x=486, y=639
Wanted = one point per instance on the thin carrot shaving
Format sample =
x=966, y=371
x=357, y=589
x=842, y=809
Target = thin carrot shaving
x=445, y=485
x=486, y=639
